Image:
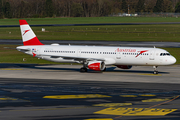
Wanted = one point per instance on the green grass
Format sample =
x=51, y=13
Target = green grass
x=81, y=20
x=154, y=33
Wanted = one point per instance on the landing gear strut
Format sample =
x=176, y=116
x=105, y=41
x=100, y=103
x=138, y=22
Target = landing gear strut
x=84, y=68
x=155, y=69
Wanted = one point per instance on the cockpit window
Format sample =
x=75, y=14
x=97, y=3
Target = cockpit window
x=165, y=54
x=168, y=54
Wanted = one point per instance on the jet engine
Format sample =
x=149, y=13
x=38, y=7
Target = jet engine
x=96, y=65
x=124, y=66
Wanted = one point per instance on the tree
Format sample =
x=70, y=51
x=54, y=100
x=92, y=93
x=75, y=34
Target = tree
x=140, y=6
x=177, y=8
x=1, y=9
x=159, y=6
x=167, y=6
x=107, y=8
x=22, y=10
x=77, y=10
x=116, y=7
x=149, y=5
x=7, y=10
x=124, y=6
x=83, y=8
x=49, y=8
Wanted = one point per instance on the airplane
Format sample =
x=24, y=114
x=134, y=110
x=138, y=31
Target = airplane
x=93, y=57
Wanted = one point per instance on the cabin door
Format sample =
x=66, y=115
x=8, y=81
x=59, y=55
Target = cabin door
x=79, y=53
x=118, y=55
x=152, y=54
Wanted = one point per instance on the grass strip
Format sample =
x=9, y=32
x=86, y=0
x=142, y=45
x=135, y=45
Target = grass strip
x=89, y=20
x=144, y=33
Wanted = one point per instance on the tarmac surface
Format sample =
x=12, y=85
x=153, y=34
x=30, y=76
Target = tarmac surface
x=61, y=92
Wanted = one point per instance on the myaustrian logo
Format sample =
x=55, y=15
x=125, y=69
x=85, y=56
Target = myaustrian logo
x=125, y=50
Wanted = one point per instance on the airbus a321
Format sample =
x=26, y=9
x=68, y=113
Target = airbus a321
x=93, y=57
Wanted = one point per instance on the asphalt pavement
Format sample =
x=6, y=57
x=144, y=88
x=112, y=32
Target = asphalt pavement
x=61, y=92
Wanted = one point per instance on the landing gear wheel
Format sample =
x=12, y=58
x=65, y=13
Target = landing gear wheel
x=155, y=72
x=83, y=69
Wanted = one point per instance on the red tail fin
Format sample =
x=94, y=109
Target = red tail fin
x=28, y=36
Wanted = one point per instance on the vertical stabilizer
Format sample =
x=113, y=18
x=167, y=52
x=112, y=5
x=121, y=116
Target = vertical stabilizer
x=28, y=36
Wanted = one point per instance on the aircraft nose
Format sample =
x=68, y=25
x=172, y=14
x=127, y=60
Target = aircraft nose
x=173, y=60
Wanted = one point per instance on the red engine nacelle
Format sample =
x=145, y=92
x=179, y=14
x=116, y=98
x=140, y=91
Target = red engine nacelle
x=124, y=66
x=96, y=65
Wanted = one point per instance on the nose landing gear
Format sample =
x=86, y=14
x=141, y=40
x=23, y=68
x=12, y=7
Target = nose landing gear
x=155, y=70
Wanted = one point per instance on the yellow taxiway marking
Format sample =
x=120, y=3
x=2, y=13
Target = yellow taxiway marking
x=152, y=74
x=128, y=95
x=112, y=104
x=155, y=100
x=99, y=119
x=135, y=111
x=9, y=69
x=7, y=99
x=76, y=96
x=147, y=95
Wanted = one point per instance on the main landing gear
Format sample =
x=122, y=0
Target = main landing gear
x=84, y=68
x=155, y=70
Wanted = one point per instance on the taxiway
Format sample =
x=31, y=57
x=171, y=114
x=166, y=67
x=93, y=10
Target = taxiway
x=61, y=92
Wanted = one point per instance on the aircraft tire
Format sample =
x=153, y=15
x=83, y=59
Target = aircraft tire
x=155, y=72
x=83, y=69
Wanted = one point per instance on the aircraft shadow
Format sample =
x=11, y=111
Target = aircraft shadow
x=39, y=66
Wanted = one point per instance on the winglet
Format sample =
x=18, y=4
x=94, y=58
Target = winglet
x=28, y=36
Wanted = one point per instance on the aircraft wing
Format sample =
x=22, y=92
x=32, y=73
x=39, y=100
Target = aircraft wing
x=76, y=58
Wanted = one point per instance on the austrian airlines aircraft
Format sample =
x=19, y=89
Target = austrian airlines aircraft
x=93, y=57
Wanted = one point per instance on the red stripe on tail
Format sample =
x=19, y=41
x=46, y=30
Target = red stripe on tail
x=23, y=22
x=33, y=41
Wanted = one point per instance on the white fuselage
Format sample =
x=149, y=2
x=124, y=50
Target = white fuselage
x=110, y=55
